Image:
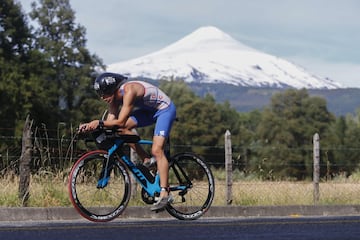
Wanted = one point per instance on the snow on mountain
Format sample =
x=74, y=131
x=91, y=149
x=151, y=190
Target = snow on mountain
x=209, y=55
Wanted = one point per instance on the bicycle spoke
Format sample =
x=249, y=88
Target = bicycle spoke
x=189, y=171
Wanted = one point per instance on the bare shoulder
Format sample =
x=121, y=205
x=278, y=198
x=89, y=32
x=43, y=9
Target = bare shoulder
x=134, y=87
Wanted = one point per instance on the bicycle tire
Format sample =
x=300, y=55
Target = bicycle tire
x=188, y=169
x=98, y=204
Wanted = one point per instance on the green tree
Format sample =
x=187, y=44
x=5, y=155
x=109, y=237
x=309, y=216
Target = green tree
x=63, y=43
x=286, y=133
x=17, y=68
x=344, y=148
x=13, y=34
x=244, y=139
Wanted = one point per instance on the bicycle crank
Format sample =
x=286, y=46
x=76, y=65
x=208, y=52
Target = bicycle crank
x=146, y=197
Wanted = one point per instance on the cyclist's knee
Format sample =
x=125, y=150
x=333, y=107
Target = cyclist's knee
x=127, y=131
x=157, y=152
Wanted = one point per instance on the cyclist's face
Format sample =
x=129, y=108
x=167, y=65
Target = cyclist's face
x=108, y=98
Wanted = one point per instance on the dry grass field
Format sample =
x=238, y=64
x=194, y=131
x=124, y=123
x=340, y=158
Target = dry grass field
x=258, y=193
x=49, y=190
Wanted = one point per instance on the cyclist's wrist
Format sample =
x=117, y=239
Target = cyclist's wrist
x=101, y=124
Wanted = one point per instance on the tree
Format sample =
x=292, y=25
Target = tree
x=286, y=132
x=64, y=44
x=244, y=139
x=343, y=149
x=15, y=45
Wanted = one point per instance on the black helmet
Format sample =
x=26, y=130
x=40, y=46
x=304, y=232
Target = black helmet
x=107, y=83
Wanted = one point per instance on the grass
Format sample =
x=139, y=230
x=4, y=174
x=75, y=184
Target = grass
x=257, y=193
x=50, y=189
x=46, y=190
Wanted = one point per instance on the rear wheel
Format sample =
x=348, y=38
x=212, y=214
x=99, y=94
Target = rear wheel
x=192, y=186
x=99, y=191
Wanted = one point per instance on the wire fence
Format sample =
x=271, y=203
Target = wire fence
x=250, y=188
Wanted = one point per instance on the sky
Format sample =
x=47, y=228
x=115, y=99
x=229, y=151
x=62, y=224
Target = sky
x=322, y=36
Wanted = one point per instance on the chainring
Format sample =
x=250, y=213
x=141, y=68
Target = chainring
x=146, y=197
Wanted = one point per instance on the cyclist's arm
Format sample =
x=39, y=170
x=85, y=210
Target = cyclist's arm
x=90, y=126
x=113, y=112
x=129, y=98
x=116, y=118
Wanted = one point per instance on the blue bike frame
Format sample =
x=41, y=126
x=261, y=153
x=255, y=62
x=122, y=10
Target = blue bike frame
x=151, y=184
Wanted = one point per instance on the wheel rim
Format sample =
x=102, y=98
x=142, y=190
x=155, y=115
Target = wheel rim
x=98, y=204
x=196, y=200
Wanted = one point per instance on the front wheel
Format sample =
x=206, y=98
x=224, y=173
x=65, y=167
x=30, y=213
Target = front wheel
x=99, y=190
x=192, y=186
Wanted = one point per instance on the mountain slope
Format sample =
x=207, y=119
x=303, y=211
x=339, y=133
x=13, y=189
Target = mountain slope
x=340, y=101
x=209, y=55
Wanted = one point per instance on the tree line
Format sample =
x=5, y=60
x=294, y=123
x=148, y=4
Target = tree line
x=47, y=72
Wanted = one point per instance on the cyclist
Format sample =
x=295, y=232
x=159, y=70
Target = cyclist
x=138, y=104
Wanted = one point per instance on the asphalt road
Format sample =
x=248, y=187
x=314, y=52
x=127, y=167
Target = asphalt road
x=294, y=228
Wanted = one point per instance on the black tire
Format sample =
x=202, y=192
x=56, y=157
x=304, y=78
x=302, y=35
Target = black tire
x=188, y=169
x=98, y=204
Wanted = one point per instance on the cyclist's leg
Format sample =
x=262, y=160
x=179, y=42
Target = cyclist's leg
x=157, y=151
x=139, y=118
x=164, y=121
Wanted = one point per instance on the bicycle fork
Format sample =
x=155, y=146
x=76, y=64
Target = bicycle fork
x=105, y=173
x=108, y=165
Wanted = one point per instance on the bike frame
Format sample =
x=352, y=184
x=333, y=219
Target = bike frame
x=150, y=183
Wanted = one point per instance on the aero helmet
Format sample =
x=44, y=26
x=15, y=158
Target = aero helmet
x=107, y=83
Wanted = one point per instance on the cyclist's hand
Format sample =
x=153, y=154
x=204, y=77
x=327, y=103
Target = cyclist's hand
x=90, y=126
x=82, y=128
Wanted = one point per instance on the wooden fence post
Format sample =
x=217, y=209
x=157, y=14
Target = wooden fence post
x=24, y=164
x=316, y=170
x=228, y=167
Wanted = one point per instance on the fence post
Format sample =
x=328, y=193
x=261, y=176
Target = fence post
x=228, y=167
x=316, y=170
x=24, y=164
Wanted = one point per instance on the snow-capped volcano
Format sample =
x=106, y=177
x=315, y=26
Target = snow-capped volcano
x=211, y=56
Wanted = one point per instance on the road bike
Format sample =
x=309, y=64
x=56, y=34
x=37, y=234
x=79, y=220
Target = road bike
x=100, y=185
